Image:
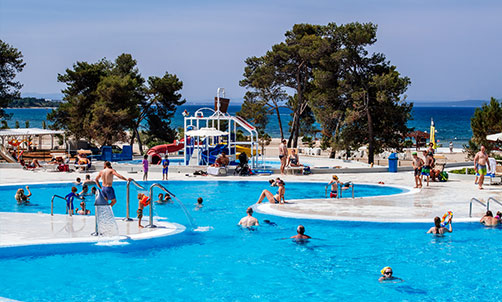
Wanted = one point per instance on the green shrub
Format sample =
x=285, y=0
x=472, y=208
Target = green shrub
x=462, y=171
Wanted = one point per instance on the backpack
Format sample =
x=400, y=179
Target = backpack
x=443, y=176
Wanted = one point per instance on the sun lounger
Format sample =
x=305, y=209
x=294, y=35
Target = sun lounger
x=217, y=171
x=492, y=173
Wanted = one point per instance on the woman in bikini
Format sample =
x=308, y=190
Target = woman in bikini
x=277, y=198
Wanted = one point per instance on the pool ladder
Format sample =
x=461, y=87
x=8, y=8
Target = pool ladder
x=187, y=214
x=487, y=205
x=52, y=205
x=340, y=189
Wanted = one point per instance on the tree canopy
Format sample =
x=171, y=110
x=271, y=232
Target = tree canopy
x=355, y=96
x=103, y=100
x=486, y=120
x=11, y=63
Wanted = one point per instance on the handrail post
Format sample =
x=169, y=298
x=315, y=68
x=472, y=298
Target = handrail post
x=151, y=225
x=352, y=190
x=128, y=218
x=470, y=209
x=52, y=206
x=339, y=190
x=128, y=202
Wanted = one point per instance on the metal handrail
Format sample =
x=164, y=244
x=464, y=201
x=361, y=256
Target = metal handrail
x=478, y=201
x=128, y=197
x=340, y=188
x=157, y=185
x=493, y=199
x=52, y=205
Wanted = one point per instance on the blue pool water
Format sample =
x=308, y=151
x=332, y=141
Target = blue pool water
x=227, y=263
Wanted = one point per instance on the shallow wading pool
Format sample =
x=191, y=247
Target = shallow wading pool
x=222, y=262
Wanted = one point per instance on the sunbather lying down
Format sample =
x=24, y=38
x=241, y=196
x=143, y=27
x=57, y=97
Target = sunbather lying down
x=34, y=164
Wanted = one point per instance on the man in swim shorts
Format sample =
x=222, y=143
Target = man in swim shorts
x=107, y=174
x=417, y=167
x=426, y=169
x=248, y=220
x=481, y=163
x=283, y=153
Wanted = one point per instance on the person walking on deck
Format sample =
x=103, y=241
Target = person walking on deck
x=481, y=163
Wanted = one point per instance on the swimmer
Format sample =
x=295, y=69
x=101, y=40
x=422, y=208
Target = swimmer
x=94, y=190
x=78, y=181
x=88, y=180
x=300, y=233
x=387, y=275
x=84, y=191
x=160, y=198
x=167, y=198
x=489, y=220
x=439, y=230
x=21, y=197
x=269, y=222
x=199, y=205
x=143, y=202
x=249, y=220
x=83, y=210
x=277, y=198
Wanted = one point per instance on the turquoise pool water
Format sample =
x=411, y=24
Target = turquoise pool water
x=227, y=263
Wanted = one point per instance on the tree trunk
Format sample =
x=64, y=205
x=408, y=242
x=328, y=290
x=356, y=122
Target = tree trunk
x=294, y=126
x=371, y=145
x=279, y=121
x=133, y=136
x=140, y=144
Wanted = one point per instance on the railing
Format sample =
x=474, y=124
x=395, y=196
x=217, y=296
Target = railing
x=339, y=189
x=52, y=205
x=128, y=197
x=156, y=185
x=494, y=200
x=478, y=201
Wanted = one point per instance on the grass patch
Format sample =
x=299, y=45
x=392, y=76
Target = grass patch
x=470, y=171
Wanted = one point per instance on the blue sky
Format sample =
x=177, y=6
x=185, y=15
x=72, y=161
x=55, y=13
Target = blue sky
x=451, y=49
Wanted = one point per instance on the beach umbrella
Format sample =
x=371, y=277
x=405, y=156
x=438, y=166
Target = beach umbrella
x=432, y=137
x=494, y=137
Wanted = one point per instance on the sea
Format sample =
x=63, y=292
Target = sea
x=452, y=123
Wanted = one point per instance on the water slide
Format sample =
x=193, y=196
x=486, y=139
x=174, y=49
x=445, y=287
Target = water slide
x=156, y=151
x=6, y=155
x=213, y=154
x=245, y=150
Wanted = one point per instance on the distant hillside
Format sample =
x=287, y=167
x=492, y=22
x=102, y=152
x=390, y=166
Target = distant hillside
x=33, y=102
x=467, y=103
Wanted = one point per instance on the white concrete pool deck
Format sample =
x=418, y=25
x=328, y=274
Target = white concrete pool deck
x=418, y=205
x=19, y=229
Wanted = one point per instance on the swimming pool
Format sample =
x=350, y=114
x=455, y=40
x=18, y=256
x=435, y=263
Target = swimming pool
x=268, y=164
x=227, y=263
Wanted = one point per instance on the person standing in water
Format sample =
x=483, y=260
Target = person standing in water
x=480, y=163
x=438, y=229
x=249, y=220
x=300, y=234
x=107, y=189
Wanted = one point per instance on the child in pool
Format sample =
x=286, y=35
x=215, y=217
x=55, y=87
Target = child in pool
x=143, y=202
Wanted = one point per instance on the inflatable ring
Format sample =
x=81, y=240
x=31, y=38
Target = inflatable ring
x=446, y=218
